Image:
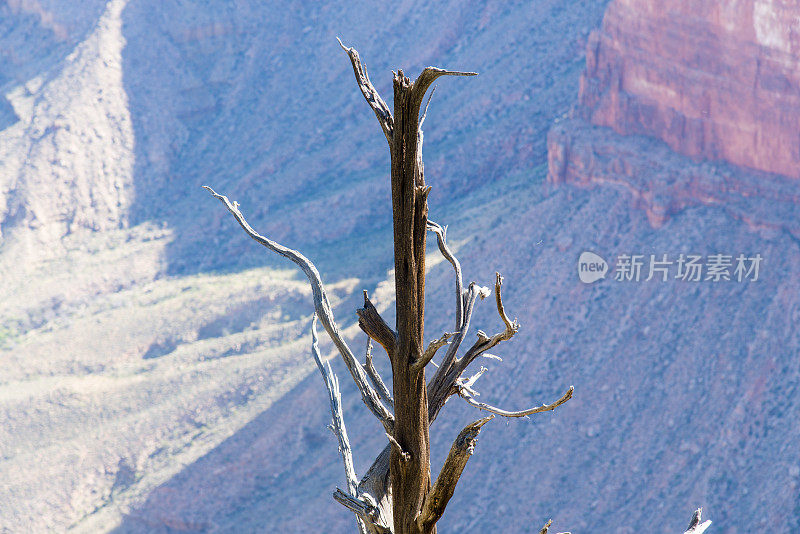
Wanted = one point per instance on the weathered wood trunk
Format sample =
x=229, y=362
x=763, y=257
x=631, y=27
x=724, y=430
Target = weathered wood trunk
x=397, y=496
x=410, y=474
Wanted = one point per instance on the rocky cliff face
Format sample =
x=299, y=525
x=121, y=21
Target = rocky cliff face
x=690, y=103
x=663, y=183
x=66, y=159
x=718, y=80
x=687, y=115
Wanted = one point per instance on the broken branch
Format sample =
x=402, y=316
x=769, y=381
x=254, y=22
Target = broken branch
x=362, y=508
x=695, y=526
x=445, y=485
x=426, y=78
x=430, y=352
x=371, y=94
x=403, y=454
x=375, y=327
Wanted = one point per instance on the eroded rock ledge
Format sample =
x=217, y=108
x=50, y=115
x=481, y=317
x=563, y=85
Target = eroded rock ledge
x=662, y=182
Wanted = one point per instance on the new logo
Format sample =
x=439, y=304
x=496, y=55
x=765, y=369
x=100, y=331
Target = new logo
x=591, y=267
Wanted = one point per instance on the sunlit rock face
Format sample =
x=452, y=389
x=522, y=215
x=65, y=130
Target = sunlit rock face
x=66, y=157
x=685, y=103
x=718, y=80
x=663, y=183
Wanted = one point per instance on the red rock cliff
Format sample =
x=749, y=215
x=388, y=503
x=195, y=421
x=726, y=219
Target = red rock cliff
x=718, y=80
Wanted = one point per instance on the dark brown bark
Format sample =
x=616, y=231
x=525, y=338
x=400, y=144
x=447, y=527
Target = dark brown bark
x=410, y=477
x=437, y=499
x=371, y=322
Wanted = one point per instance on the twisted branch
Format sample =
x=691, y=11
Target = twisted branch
x=323, y=311
x=430, y=352
x=371, y=94
x=466, y=392
x=441, y=387
x=444, y=382
x=375, y=377
x=441, y=240
x=484, y=342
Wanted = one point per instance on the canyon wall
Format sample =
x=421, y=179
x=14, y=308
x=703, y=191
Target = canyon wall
x=686, y=103
x=156, y=369
x=717, y=80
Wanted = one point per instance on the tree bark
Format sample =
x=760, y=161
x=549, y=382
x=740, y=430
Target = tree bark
x=395, y=496
x=410, y=472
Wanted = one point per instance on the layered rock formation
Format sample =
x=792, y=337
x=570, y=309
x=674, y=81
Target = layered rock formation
x=688, y=110
x=690, y=103
x=719, y=80
x=662, y=183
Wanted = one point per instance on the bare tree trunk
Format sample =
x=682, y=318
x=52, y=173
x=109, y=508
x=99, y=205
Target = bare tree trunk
x=396, y=495
x=410, y=472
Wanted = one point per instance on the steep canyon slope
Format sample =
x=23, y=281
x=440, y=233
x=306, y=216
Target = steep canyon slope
x=157, y=375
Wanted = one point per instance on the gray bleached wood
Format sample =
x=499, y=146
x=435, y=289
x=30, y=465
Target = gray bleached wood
x=323, y=310
x=337, y=426
x=371, y=95
x=375, y=377
x=466, y=392
x=445, y=485
x=433, y=346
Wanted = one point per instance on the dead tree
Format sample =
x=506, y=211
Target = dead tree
x=397, y=494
